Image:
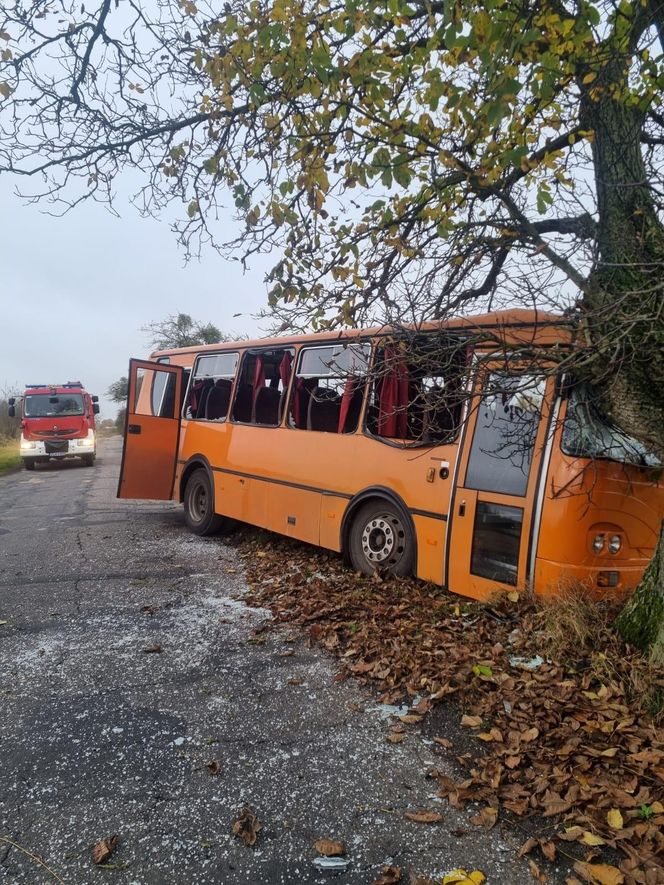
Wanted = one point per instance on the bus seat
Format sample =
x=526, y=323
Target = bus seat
x=243, y=403
x=203, y=398
x=324, y=411
x=218, y=400
x=353, y=416
x=266, y=407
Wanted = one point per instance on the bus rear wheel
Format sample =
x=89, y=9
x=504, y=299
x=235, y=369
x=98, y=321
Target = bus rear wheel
x=29, y=463
x=380, y=539
x=199, y=505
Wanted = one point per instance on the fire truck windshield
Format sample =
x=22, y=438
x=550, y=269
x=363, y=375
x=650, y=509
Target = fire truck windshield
x=40, y=405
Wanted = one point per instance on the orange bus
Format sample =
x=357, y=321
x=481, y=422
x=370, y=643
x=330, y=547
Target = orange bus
x=442, y=451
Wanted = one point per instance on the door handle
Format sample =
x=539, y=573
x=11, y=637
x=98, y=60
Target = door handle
x=462, y=508
x=133, y=428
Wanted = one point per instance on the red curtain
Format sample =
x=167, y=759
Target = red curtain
x=350, y=387
x=285, y=367
x=393, y=397
x=259, y=376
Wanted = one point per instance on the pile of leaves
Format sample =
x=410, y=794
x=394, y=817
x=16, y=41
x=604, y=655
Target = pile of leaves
x=557, y=739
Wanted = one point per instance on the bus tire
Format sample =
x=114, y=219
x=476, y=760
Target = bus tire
x=199, y=505
x=381, y=539
x=88, y=460
x=29, y=463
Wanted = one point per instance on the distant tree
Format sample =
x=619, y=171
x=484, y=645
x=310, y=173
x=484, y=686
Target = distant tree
x=180, y=330
x=120, y=420
x=9, y=427
x=118, y=390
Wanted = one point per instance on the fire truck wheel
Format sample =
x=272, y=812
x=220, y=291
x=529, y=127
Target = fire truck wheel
x=199, y=505
x=29, y=464
x=88, y=460
x=381, y=540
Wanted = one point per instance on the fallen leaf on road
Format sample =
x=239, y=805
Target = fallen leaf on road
x=471, y=721
x=487, y=817
x=329, y=847
x=149, y=609
x=535, y=871
x=246, y=826
x=104, y=849
x=461, y=877
x=615, y=819
x=288, y=653
x=599, y=873
x=389, y=875
x=296, y=681
x=214, y=766
x=424, y=817
x=591, y=839
x=152, y=649
x=395, y=737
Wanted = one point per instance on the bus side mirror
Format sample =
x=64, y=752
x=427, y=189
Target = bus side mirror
x=95, y=399
x=11, y=411
x=95, y=408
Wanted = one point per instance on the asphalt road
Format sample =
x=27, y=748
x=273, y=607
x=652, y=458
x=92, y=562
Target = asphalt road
x=99, y=737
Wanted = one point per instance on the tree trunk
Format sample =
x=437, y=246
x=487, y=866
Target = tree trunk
x=641, y=622
x=623, y=304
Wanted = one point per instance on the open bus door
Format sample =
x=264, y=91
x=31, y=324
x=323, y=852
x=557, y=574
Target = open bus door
x=152, y=431
x=494, y=504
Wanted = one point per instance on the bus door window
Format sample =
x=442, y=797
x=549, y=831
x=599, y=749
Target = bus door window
x=507, y=421
x=416, y=392
x=262, y=387
x=500, y=461
x=328, y=391
x=209, y=394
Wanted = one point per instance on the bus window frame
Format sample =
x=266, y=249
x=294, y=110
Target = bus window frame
x=255, y=351
x=300, y=350
x=467, y=378
x=192, y=378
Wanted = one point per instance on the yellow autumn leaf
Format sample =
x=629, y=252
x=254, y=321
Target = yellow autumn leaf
x=461, y=877
x=513, y=596
x=589, y=838
x=599, y=873
x=657, y=807
x=615, y=819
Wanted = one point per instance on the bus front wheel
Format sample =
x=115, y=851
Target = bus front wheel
x=199, y=505
x=381, y=540
x=29, y=463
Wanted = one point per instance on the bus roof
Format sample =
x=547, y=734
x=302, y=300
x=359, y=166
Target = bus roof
x=540, y=327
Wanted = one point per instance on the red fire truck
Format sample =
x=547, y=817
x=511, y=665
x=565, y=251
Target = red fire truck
x=57, y=421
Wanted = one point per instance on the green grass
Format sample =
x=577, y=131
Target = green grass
x=9, y=456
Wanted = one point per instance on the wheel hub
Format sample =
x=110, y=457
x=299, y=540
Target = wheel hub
x=380, y=539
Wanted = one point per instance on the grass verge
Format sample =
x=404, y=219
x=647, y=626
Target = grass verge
x=9, y=456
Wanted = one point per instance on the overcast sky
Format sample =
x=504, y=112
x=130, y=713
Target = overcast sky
x=74, y=292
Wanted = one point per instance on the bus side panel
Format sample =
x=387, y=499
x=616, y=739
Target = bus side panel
x=430, y=548
x=332, y=511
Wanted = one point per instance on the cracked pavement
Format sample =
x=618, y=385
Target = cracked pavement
x=99, y=737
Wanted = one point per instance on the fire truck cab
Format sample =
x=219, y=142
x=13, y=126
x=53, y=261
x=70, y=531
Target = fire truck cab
x=57, y=421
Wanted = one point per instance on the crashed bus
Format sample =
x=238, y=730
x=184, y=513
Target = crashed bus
x=446, y=451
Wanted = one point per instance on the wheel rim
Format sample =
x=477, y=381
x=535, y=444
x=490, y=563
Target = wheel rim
x=383, y=540
x=198, y=502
